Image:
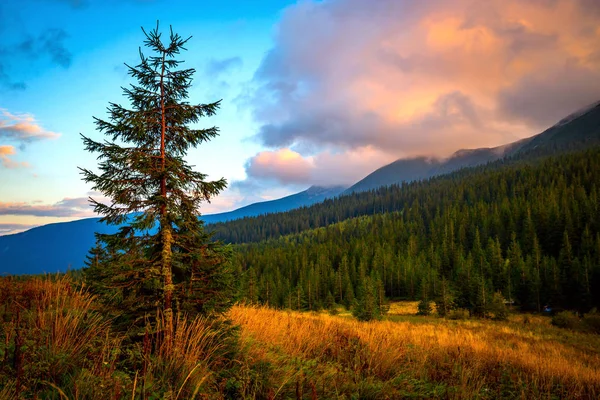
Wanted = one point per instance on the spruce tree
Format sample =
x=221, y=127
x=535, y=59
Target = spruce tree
x=160, y=258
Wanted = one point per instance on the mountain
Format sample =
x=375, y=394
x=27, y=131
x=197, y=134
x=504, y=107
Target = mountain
x=312, y=195
x=57, y=247
x=50, y=248
x=577, y=131
x=412, y=169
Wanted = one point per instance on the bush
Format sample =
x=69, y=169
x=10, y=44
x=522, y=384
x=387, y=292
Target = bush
x=565, y=319
x=424, y=308
x=591, y=322
x=458, y=314
x=498, y=308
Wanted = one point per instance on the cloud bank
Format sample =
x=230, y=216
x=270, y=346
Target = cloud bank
x=22, y=128
x=68, y=207
x=347, y=79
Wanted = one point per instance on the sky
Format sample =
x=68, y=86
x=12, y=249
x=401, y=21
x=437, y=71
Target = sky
x=313, y=92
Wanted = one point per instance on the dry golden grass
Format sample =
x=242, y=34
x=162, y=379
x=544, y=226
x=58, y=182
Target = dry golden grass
x=470, y=358
x=404, y=308
x=66, y=345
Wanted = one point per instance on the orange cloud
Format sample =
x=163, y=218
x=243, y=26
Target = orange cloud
x=283, y=165
x=424, y=77
x=326, y=168
x=22, y=128
x=7, y=162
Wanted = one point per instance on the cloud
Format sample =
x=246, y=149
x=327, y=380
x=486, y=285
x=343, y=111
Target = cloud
x=9, y=229
x=50, y=44
x=283, y=165
x=408, y=78
x=68, y=207
x=7, y=162
x=287, y=167
x=22, y=128
x=216, y=67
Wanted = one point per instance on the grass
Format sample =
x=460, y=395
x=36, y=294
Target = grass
x=333, y=357
x=57, y=343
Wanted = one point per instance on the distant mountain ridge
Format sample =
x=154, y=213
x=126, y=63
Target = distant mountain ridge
x=55, y=247
x=417, y=168
x=576, y=131
x=312, y=195
x=59, y=246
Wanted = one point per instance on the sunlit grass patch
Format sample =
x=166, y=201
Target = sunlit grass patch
x=473, y=358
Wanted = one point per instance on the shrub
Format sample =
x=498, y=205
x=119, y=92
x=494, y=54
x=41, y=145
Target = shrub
x=424, y=308
x=458, y=314
x=591, y=321
x=498, y=308
x=565, y=319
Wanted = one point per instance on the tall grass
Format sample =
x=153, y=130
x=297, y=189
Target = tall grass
x=466, y=359
x=52, y=334
x=56, y=343
x=183, y=366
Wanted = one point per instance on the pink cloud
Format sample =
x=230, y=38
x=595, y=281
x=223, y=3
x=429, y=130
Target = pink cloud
x=283, y=165
x=423, y=77
x=7, y=162
x=326, y=168
x=68, y=207
x=22, y=128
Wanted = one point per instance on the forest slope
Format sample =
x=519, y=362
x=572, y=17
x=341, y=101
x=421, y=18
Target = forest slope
x=528, y=231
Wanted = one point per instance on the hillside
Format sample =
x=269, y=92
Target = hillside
x=419, y=168
x=529, y=231
x=60, y=246
x=55, y=247
x=577, y=131
x=312, y=195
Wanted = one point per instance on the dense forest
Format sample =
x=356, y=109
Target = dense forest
x=527, y=230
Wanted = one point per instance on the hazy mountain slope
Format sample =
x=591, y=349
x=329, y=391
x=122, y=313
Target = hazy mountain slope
x=49, y=248
x=312, y=195
x=56, y=247
x=577, y=131
x=407, y=170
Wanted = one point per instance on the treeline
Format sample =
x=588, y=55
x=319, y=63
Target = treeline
x=529, y=232
x=382, y=200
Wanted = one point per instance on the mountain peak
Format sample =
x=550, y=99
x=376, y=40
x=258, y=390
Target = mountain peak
x=579, y=113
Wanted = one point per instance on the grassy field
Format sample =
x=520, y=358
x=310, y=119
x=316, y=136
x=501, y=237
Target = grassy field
x=56, y=342
x=327, y=356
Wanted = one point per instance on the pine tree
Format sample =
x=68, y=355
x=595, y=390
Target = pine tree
x=161, y=258
x=366, y=308
x=445, y=299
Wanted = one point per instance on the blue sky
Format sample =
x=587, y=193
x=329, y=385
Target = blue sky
x=314, y=92
x=61, y=85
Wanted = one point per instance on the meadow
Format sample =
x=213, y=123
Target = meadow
x=56, y=342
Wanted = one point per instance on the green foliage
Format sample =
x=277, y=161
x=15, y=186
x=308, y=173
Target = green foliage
x=498, y=308
x=591, y=321
x=566, y=319
x=367, y=307
x=502, y=228
x=424, y=307
x=458, y=314
x=444, y=302
x=161, y=257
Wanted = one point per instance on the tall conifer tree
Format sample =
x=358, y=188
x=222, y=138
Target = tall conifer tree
x=160, y=258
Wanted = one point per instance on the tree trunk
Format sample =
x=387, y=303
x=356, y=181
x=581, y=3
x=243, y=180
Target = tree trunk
x=165, y=225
